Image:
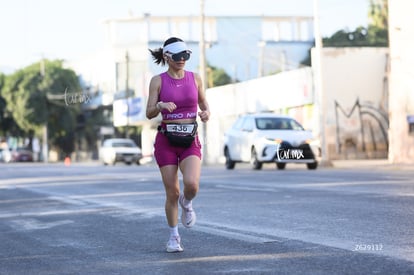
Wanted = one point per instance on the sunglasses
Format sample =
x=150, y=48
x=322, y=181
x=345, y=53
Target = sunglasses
x=185, y=55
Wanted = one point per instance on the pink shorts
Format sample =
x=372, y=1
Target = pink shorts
x=165, y=154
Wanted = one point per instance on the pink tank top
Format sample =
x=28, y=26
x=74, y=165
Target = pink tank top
x=183, y=92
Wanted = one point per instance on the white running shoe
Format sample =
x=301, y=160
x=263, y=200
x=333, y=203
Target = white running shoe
x=174, y=244
x=188, y=216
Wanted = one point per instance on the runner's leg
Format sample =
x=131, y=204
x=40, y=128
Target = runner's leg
x=190, y=168
x=172, y=192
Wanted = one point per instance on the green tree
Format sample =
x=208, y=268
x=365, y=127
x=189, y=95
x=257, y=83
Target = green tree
x=217, y=77
x=342, y=38
x=8, y=125
x=378, y=13
x=375, y=35
x=35, y=96
x=378, y=27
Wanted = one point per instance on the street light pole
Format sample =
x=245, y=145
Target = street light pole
x=203, y=70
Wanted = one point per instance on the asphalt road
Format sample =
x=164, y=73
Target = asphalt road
x=91, y=219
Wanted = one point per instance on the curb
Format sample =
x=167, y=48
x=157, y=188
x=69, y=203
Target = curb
x=372, y=163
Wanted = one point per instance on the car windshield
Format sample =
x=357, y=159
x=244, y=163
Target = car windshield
x=277, y=123
x=122, y=144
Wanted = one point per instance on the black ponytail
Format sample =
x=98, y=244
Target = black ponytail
x=158, y=55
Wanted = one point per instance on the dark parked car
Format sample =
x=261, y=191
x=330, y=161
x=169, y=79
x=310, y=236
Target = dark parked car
x=21, y=154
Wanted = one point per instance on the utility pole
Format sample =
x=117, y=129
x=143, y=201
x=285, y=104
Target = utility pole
x=203, y=70
x=320, y=98
x=45, y=147
x=127, y=92
x=260, y=71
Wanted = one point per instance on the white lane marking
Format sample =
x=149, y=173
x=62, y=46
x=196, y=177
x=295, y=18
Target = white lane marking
x=34, y=224
x=235, y=233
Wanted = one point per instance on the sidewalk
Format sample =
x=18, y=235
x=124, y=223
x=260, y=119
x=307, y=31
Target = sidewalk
x=371, y=163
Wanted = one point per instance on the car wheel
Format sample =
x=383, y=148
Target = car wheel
x=229, y=163
x=281, y=165
x=257, y=165
x=312, y=166
x=128, y=163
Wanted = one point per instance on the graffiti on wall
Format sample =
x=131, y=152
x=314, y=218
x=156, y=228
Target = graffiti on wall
x=363, y=129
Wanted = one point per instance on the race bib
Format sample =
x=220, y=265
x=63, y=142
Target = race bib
x=180, y=128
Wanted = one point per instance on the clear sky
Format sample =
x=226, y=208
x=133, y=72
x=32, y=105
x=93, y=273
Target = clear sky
x=66, y=29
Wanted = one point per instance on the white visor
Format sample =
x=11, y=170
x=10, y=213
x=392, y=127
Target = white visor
x=176, y=47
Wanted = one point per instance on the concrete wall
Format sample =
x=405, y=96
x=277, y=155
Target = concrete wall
x=401, y=34
x=355, y=102
x=272, y=93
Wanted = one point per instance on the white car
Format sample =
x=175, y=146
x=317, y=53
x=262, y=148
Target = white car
x=5, y=155
x=267, y=137
x=120, y=149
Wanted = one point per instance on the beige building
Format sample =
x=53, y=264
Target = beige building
x=401, y=99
